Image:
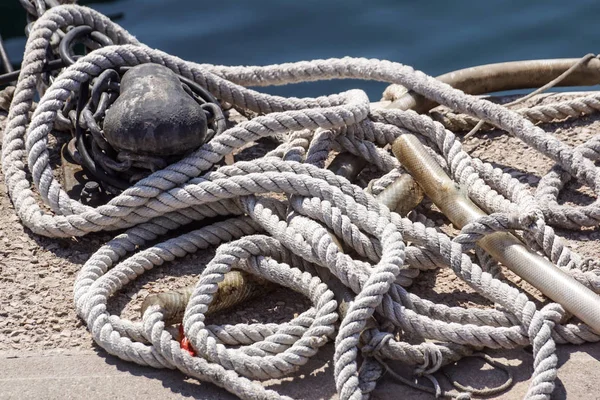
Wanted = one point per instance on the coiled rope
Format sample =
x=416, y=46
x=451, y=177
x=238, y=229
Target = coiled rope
x=289, y=241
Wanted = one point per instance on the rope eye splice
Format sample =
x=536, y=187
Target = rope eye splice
x=282, y=218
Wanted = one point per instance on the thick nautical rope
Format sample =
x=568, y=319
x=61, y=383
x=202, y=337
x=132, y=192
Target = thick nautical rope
x=289, y=242
x=572, y=108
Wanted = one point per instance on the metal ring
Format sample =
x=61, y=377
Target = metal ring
x=101, y=39
x=102, y=83
x=199, y=90
x=86, y=160
x=94, y=129
x=40, y=7
x=107, y=162
x=76, y=34
x=106, y=99
x=29, y=7
x=65, y=45
x=52, y=3
x=217, y=116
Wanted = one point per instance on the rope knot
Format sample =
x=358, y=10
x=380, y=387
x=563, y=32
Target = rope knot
x=550, y=314
x=530, y=217
x=590, y=264
x=376, y=344
x=432, y=359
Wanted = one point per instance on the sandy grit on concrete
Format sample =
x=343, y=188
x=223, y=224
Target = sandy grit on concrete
x=46, y=352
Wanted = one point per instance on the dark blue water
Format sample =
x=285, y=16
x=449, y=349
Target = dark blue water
x=434, y=36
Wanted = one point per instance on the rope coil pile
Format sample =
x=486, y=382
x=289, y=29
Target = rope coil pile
x=289, y=241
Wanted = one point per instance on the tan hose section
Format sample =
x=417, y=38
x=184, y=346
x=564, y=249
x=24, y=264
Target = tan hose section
x=236, y=287
x=401, y=196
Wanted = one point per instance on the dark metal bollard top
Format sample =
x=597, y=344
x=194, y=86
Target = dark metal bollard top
x=154, y=115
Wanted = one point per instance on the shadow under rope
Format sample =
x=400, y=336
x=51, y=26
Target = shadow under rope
x=313, y=380
x=573, y=192
x=476, y=373
x=173, y=380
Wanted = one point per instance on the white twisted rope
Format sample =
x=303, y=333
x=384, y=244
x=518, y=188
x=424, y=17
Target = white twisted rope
x=295, y=247
x=572, y=108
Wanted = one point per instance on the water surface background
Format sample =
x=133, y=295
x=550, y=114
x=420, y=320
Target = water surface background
x=433, y=36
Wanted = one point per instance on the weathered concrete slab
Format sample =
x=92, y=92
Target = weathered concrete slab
x=85, y=375
x=88, y=375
